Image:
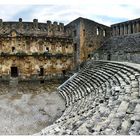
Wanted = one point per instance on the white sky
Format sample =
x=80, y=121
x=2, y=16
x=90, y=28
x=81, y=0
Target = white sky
x=104, y=11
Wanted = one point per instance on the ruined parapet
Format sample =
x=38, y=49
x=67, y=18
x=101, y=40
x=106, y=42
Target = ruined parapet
x=55, y=28
x=49, y=28
x=124, y=28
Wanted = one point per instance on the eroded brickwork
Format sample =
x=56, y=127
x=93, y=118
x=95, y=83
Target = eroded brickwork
x=34, y=50
x=88, y=36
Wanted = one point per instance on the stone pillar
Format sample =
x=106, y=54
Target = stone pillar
x=113, y=31
x=121, y=29
x=137, y=26
x=129, y=28
x=133, y=27
x=117, y=30
x=125, y=29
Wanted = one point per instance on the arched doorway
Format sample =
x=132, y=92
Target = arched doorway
x=109, y=56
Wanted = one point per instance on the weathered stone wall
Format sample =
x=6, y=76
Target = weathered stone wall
x=55, y=44
x=87, y=35
x=31, y=47
x=29, y=67
x=123, y=45
x=120, y=48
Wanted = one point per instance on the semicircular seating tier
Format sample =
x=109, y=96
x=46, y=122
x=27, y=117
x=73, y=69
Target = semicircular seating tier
x=103, y=98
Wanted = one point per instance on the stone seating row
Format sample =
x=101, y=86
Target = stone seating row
x=100, y=101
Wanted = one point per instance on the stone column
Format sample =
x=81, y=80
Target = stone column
x=125, y=29
x=129, y=28
x=114, y=31
x=133, y=26
x=137, y=26
x=117, y=30
x=121, y=29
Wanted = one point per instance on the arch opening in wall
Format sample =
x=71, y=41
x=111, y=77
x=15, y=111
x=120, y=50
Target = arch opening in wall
x=13, y=49
x=104, y=33
x=47, y=49
x=97, y=31
x=109, y=57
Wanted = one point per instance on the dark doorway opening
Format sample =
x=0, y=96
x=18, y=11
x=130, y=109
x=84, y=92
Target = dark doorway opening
x=41, y=72
x=42, y=82
x=14, y=72
x=47, y=49
x=109, y=57
x=64, y=72
x=13, y=49
x=89, y=56
x=75, y=47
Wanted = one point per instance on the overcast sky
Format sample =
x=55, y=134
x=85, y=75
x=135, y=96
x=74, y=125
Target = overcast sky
x=103, y=11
